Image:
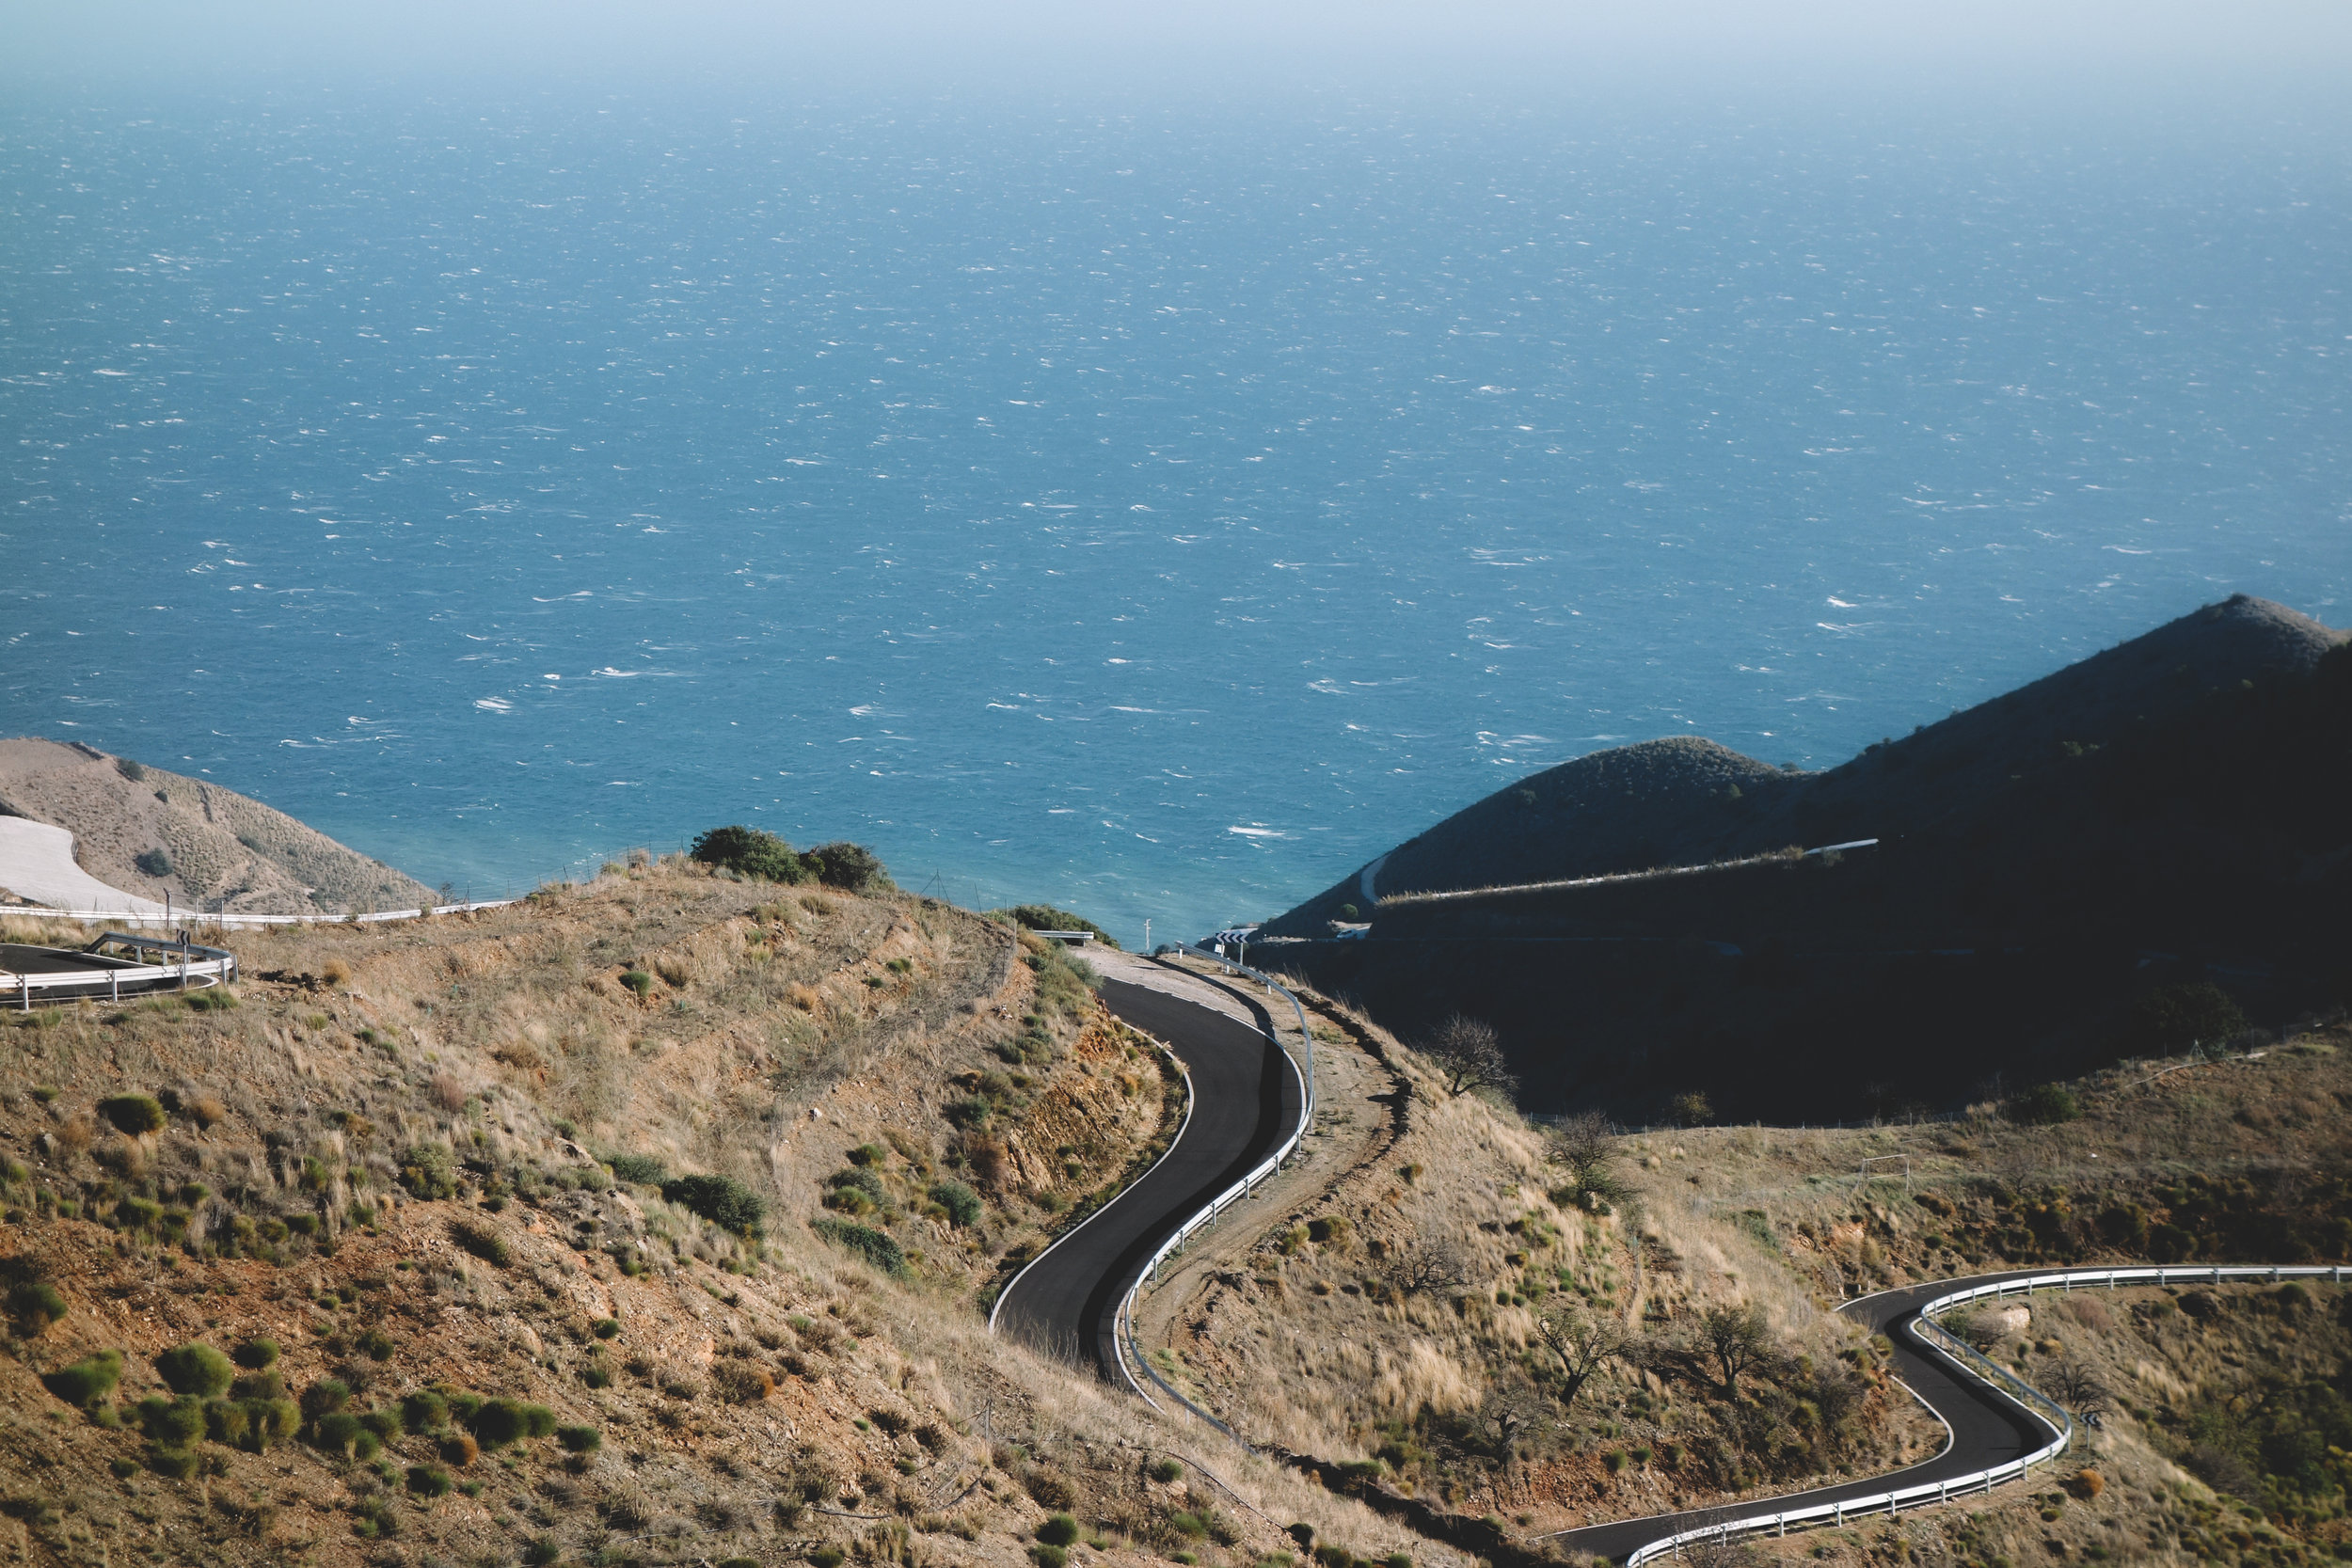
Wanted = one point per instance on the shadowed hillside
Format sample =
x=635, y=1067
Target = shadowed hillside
x=2167, y=812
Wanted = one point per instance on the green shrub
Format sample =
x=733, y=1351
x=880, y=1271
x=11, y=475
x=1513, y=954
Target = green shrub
x=502, y=1421
x=1049, y=1557
x=2176, y=1017
x=579, y=1439
x=134, y=1114
x=868, y=1154
x=967, y=1113
x=423, y=1410
x=377, y=1344
x=213, y=998
x=257, y=1354
x=1166, y=1470
x=1044, y=917
x=428, y=1171
x=152, y=862
x=173, y=1464
x=595, y=1374
x=607, y=1328
x=857, y=1180
x=170, y=1423
x=33, y=1305
x=752, y=853
x=1059, y=1529
x=962, y=1203
x=86, y=1381
x=2044, y=1104
x=544, y=1551
x=339, y=1433
x=825, y=1557
x=227, y=1421
x=382, y=1423
x=873, y=1246
x=851, y=867
x=638, y=981
x=643, y=1169
x=89, y=1379
x=430, y=1481
x=272, y=1420
x=721, y=1199
x=324, y=1396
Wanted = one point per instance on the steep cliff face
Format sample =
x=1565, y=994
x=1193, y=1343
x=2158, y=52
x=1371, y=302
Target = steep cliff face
x=150, y=832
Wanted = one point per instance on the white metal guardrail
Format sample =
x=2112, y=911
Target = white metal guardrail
x=1124, y=1318
x=198, y=967
x=247, y=921
x=1968, y=1360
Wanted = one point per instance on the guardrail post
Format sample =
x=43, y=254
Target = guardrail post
x=1841, y=1512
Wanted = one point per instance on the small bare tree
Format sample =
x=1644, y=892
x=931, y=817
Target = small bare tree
x=1438, y=1266
x=1725, y=1343
x=1735, y=1339
x=1584, y=1147
x=1469, y=1056
x=2073, y=1386
x=1584, y=1344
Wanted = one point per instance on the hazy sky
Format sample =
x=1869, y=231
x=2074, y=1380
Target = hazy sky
x=1902, y=45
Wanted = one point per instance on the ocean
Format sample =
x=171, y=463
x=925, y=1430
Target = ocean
x=1156, y=511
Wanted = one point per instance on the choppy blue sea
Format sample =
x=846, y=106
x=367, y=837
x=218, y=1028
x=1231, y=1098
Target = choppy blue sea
x=1155, y=513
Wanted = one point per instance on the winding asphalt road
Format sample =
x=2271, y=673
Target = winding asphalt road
x=1244, y=1101
x=1987, y=1429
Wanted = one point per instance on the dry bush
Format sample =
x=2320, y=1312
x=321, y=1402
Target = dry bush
x=207, y=1110
x=447, y=1093
x=335, y=971
x=742, y=1381
x=805, y=997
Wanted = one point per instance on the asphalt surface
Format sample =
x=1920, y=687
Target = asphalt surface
x=1244, y=1101
x=1987, y=1430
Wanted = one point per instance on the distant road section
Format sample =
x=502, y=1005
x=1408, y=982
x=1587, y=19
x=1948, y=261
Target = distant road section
x=36, y=863
x=1988, y=1429
x=1244, y=1101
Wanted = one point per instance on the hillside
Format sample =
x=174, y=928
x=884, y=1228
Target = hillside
x=150, y=832
x=2165, y=814
x=718, y=1174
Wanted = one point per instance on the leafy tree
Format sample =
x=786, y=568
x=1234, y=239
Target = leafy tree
x=1691, y=1110
x=851, y=867
x=1467, y=1054
x=1735, y=1339
x=751, y=852
x=2178, y=1018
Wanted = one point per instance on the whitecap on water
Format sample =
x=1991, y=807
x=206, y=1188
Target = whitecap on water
x=494, y=705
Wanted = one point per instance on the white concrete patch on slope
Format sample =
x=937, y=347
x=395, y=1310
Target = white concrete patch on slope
x=36, y=863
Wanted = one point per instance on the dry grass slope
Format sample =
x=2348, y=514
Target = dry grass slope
x=427, y=1163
